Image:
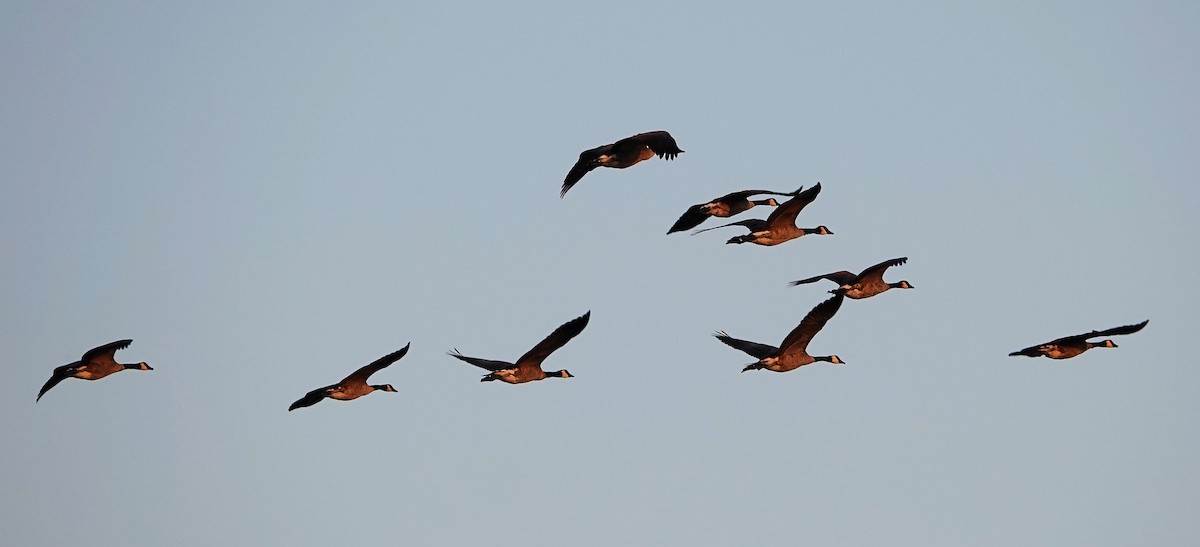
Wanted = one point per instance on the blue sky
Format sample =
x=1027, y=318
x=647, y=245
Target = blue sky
x=266, y=197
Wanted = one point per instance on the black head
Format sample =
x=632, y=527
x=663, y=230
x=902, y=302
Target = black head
x=138, y=366
x=1103, y=344
x=740, y=239
x=753, y=366
x=560, y=374
x=901, y=285
x=831, y=359
x=385, y=387
x=770, y=202
x=819, y=230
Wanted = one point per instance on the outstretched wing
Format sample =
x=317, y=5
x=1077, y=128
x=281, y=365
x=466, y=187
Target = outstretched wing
x=752, y=224
x=586, y=162
x=787, y=211
x=59, y=374
x=798, y=339
x=1127, y=329
x=311, y=398
x=361, y=375
x=556, y=339
x=105, y=353
x=486, y=364
x=878, y=269
x=1031, y=351
x=841, y=278
x=659, y=142
x=754, y=349
x=690, y=219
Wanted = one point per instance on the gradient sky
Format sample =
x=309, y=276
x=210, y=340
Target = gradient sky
x=266, y=196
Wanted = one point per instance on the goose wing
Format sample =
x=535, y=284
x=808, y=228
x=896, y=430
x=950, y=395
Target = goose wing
x=660, y=142
x=787, y=211
x=361, y=375
x=311, y=398
x=754, y=349
x=752, y=224
x=59, y=374
x=798, y=339
x=1127, y=329
x=877, y=270
x=841, y=278
x=556, y=339
x=485, y=364
x=105, y=353
x=586, y=162
x=691, y=218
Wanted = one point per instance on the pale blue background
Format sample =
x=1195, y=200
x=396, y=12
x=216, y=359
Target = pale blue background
x=266, y=196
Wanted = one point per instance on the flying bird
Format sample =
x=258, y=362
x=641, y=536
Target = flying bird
x=1070, y=346
x=97, y=363
x=780, y=226
x=355, y=385
x=864, y=285
x=528, y=367
x=792, y=353
x=724, y=206
x=621, y=154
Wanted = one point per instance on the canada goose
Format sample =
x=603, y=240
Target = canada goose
x=793, y=352
x=97, y=363
x=725, y=206
x=355, y=385
x=864, y=285
x=621, y=154
x=1070, y=346
x=529, y=366
x=780, y=226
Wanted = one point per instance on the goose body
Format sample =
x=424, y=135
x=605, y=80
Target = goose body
x=624, y=153
x=792, y=353
x=864, y=285
x=353, y=386
x=528, y=367
x=97, y=363
x=1071, y=346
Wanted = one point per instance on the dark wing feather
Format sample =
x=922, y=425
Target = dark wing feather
x=752, y=224
x=787, y=211
x=745, y=194
x=556, y=339
x=878, y=269
x=798, y=339
x=754, y=349
x=659, y=142
x=105, y=353
x=311, y=398
x=486, y=364
x=361, y=375
x=586, y=162
x=1031, y=351
x=59, y=374
x=1127, y=329
x=690, y=219
x=841, y=278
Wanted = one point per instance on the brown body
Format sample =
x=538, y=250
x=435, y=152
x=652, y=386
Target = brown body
x=792, y=353
x=528, y=367
x=624, y=153
x=353, y=386
x=780, y=226
x=864, y=285
x=97, y=363
x=1071, y=346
